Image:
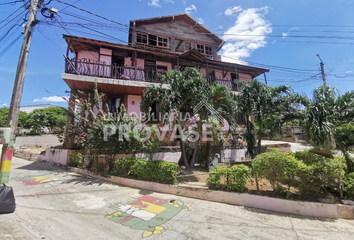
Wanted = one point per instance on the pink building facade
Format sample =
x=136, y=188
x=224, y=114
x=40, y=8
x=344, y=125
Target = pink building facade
x=122, y=72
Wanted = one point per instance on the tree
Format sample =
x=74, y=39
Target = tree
x=326, y=111
x=186, y=90
x=56, y=116
x=262, y=102
x=4, y=113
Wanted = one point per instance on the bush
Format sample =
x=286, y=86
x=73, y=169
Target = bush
x=309, y=173
x=123, y=166
x=215, y=179
x=348, y=185
x=235, y=177
x=75, y=159
x=278, y=168
x=276, y=150
x=162, y=171
x=345, y=134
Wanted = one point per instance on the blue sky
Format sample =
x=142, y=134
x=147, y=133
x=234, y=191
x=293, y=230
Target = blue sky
x=286, y=35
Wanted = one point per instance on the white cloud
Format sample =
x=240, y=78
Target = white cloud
x=4, y=104
x=293, y=29
x=348, y=71
x=154, y=3
x=189, y=10
x=184, y=2
x=200, y=20
x=284, y=34
x=247, y=35
x=230, y=11
x=49, y=99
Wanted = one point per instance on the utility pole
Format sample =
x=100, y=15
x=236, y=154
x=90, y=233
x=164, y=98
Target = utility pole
x=323, y=71
x=14, y=111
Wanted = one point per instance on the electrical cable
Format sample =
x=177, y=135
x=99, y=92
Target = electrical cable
x=91, y=13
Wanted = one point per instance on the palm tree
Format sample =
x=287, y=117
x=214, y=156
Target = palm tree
x=262, y=102
x=323, y=114
x=186, y=90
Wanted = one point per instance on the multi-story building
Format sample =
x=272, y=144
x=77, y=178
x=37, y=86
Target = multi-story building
x=155, y=45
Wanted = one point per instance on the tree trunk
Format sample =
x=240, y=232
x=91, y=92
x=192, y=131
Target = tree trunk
x=194, y=153
x=183, y=152
x=260, y=134
x=207, y=152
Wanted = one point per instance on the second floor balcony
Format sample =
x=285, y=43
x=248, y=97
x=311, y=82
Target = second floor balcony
x=149, y=74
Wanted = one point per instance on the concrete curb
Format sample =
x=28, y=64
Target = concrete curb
x=310, y=209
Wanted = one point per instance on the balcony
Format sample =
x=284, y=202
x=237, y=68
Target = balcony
x=149, y=74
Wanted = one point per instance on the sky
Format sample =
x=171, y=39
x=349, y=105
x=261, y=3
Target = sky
x=283, y=36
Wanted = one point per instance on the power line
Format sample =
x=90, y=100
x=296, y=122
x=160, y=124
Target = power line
x=91, y=13
x=12, y=3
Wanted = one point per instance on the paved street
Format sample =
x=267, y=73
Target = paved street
x=54, y=204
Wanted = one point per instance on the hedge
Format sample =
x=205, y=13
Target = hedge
x=160, y=171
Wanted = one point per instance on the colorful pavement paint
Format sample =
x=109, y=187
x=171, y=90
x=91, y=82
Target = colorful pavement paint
x=146, y=213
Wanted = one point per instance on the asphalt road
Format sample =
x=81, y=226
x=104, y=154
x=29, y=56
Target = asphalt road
x=55, y=204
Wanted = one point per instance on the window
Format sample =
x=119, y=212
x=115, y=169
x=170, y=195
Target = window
x=114, y=103
x=240, y=118
x=162, y=42
x=153, y=116
x=141, y=38
x=183, y=46
x=205, y=49
x=208, y=50
x=187, y=46
x=152, y=40
x=200, y=48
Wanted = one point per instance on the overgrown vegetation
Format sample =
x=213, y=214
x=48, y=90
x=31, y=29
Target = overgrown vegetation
x=75, y=159
x=310, y=174
x=231, y=179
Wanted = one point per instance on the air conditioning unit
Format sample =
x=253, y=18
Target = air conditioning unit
x=218, y=58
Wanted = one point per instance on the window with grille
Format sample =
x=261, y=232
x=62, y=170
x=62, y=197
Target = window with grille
x=162, y=42
x=200, y=48
x=141, y=38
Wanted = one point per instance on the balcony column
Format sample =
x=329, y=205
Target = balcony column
x=67, y=55
x=135, y=64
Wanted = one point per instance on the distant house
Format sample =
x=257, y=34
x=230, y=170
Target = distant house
x=155, y=45
x=31, y=108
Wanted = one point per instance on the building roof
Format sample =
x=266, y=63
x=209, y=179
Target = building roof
x=183, y=16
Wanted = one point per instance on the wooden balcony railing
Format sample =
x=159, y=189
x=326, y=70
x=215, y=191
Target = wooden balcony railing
x=149, y=74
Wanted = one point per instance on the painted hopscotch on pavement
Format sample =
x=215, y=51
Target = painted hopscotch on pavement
x=146, y=213
x=34, y=179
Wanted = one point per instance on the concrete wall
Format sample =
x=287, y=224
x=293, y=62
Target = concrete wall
x=136, y=107
x=233, y=155
x=53, y=155
x=49, y=140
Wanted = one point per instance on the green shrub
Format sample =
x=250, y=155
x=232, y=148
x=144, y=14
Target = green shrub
x=162, y=171
x=235, y=177
x=310, y=173
x=345, y=134
x=123, y=165
x=348, y=185
x=215, y=179
x=322, y=173
x=278, y=168
x=273, y=150
x=75, y=159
